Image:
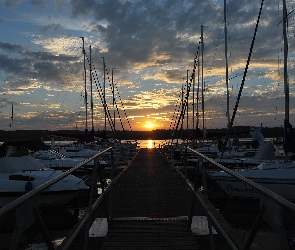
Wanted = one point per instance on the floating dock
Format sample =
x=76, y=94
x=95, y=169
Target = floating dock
x=149, y=209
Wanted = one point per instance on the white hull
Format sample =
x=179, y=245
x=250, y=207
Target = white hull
x=13, y=185
x=279, y=180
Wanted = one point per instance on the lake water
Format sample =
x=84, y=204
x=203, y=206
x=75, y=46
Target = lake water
x=151, y=143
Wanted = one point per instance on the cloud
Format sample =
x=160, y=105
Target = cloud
x=151, y=45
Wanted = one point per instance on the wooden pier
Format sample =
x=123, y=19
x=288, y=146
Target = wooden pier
x=149, y=209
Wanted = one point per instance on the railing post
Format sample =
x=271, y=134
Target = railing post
x=24, y=218
x=185, y=185
x=111, y=187
x=254, y=229
x=274, y=217
x=43, y=229
x=91, y=198
x=207, y=204
x=196, y=184
x=172, y=156
x=185, y=162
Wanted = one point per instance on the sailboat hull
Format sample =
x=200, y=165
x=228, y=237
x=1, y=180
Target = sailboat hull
x=279, y=181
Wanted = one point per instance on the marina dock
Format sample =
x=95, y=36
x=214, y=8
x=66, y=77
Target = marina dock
x=149, y=209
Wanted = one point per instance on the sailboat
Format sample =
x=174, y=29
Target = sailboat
x=21, y=173
x=278, y=177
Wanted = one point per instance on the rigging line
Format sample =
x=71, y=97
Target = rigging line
x=185, y=103
x=243, y=80
x=114, y=101
x=120, y=118
x=100, y=91
x=194, y=68
x=285, y=17
x=181, y=116
x=123, y=109
x=101, y=95
x=110, y=120
x=177, y=106
x=123, y=106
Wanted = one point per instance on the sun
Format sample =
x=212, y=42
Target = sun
x=149, y=125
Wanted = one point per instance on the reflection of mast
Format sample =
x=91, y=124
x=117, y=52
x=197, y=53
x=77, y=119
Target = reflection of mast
x=85, y=93
x=104, y=94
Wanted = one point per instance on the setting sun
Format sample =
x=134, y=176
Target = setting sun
x=149, y=125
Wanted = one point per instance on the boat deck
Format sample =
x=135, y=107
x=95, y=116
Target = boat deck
x=149, y=209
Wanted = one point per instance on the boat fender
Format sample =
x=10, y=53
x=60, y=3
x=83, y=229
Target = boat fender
x=28, y=186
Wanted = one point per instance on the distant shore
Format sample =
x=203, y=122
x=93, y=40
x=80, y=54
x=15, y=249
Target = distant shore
x=241, y=132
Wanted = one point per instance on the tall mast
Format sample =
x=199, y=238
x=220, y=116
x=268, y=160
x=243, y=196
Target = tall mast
x=182, y=114
x=85, y=90
x=91, y=97
x=104, y=95
x=187, y=102
x=286, y=84
x=202, y=75
x=114, y=99
x=226, y=66
x=287, y=126
x=194, y=80
x=198, y=91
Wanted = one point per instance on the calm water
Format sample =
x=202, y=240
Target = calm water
x=151, y=143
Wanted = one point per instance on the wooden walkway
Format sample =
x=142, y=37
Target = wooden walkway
x=149, y=208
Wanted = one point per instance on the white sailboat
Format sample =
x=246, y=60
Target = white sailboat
x=21, y=174
x=278, y=177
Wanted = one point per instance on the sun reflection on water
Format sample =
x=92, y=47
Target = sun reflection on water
x=150, y=144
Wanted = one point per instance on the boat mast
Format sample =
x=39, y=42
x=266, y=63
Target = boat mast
x=286, y=84
x=114, y=99
x=226, y=66
x=187, y=103
x=182, y=114
x=91, y=97
x=194, y=81
x=104, y=95
x=202, y=75
x=85, y=90
x=198, y=91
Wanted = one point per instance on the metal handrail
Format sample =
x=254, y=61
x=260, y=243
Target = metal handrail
x=21, y=200
x=264, y=191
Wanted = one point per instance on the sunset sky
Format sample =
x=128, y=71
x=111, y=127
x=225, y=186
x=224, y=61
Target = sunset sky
x=149, y=45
